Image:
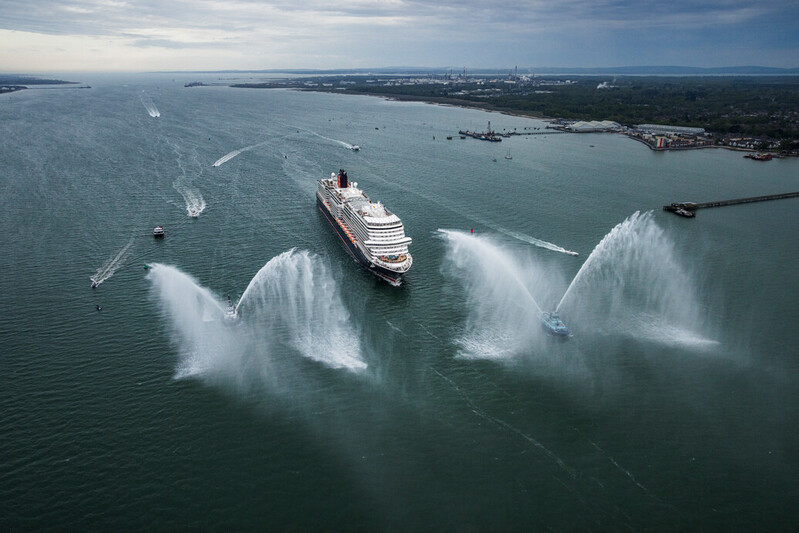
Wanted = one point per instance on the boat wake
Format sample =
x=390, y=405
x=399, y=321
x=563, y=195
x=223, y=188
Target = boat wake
x=192, y=198
x=111, y=266
x=346, y=145
x=505, y=425
x=532, y=240
x=525, y=238
x=227, y=157
x=291, y=306
x=149, y=105
x=195, y=203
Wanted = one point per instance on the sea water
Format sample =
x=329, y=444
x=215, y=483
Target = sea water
x=340, y=402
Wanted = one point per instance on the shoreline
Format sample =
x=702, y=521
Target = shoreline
x=485, y=106
x=468, y=104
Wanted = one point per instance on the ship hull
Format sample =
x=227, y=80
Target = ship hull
x=394, y=278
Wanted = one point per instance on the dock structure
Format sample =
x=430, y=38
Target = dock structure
x=686, y=209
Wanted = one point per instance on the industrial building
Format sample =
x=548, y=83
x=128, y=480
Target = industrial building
x=663, y=128
x=594, y=125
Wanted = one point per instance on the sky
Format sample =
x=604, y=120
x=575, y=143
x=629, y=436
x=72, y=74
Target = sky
x=170, y=35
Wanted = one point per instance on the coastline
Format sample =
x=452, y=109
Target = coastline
x=451, y=102
x=468, y=104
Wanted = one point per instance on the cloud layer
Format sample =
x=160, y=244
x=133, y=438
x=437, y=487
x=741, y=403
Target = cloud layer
x=249, y=34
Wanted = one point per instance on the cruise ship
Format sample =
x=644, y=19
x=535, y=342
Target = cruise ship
x=372, y=234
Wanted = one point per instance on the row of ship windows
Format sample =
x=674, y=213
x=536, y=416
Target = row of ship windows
x=393, y=251
x=356, y=223
x=387, y=235
x=363, y=234
x=390, y=233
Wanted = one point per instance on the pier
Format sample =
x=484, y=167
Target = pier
x=686, y=209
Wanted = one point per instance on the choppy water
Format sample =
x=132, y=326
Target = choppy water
x=338, y=402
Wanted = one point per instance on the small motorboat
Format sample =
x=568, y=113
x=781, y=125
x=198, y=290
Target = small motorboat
x=553, y=325
x=193, y=213
x=98, y=307
x=355, y=148
x=94, y=283
x=158, y=232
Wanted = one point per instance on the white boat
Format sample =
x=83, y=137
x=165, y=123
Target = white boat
x=193, y=213
x=372, y=234
x=158, y=231
x=508, y=155
x=355, y=148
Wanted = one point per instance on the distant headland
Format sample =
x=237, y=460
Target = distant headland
x=10, y=83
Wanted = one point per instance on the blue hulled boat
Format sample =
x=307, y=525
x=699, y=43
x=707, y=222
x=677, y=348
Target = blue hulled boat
x=553, y=325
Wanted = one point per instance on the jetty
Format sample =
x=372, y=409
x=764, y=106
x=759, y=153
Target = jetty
x=489, y=135
x=687, y=209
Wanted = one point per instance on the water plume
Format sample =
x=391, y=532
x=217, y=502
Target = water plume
x=296, y=292
x=291, y=307
x=633, y=283
x=503, y=314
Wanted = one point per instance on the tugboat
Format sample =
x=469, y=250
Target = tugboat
x=553, y=325
x=231, y=313
x=158, y=232
x=684, y=209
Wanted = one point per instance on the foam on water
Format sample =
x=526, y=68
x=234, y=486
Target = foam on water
x=192, y=197
x=529, y=239
x=195, y=203
x=336, y=141
x=230, y=155
x=152, y=110
x=112, y=265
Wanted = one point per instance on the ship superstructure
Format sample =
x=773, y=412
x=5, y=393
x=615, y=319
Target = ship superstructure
x=372, y=234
